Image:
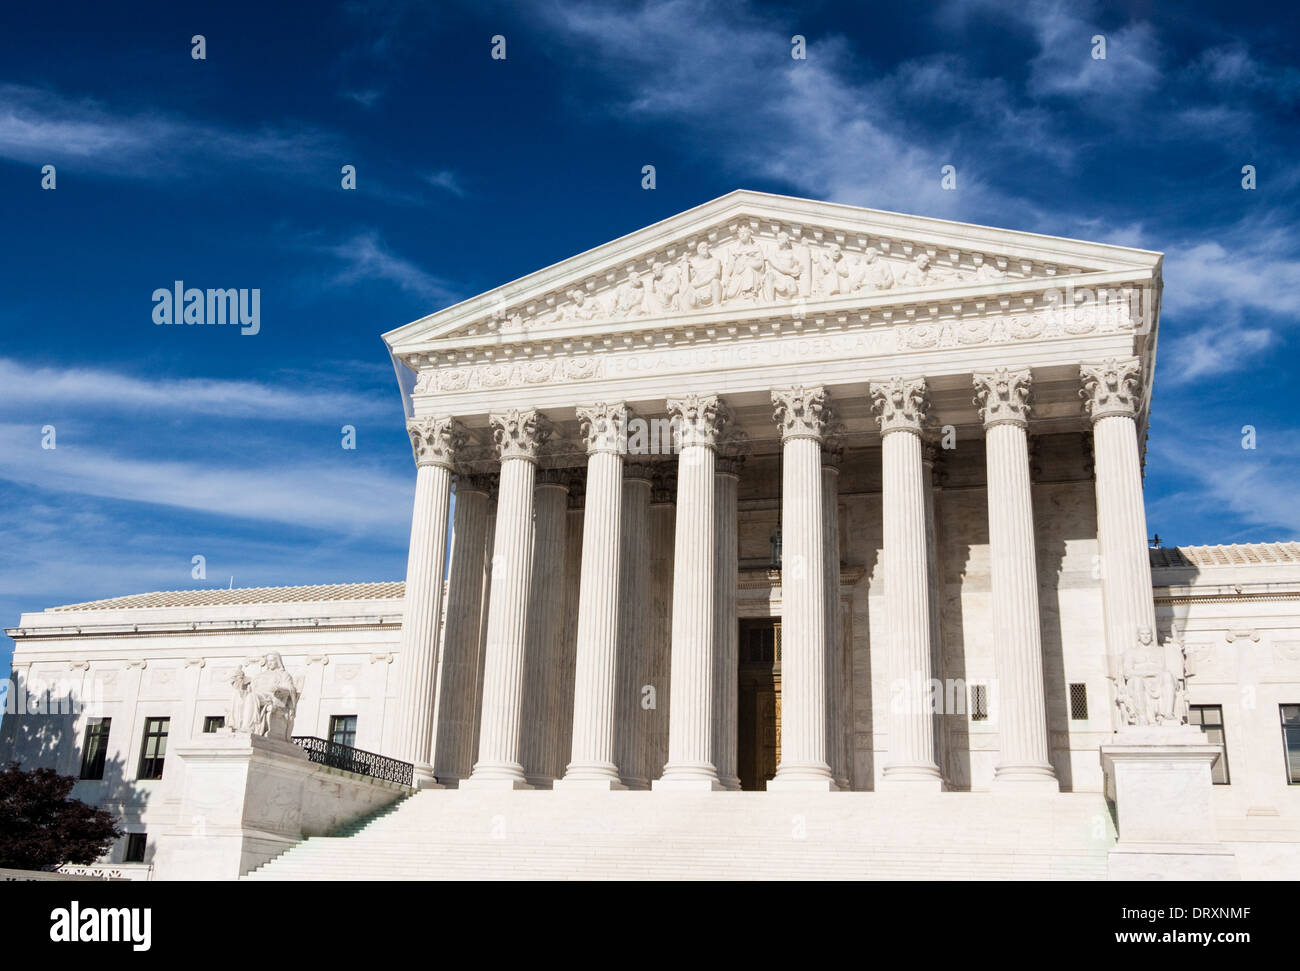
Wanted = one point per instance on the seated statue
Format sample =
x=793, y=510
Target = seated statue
x=265, y=702
x=1152, y=688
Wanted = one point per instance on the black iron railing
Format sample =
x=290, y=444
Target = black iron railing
x=339, y=756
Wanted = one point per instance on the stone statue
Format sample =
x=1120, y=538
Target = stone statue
x=579, y=307
x=665, y=287
x=783, y=271
x=878, y=273
x=1152, y=687
x=263, y=703
x=841, y=273
x=744, y=274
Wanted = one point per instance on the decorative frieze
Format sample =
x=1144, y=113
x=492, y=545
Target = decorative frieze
x=1113, y=387
x=900, y=404
x=1002, y=396
x=436, y=441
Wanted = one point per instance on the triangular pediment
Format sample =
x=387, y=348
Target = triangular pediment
x=749, y=254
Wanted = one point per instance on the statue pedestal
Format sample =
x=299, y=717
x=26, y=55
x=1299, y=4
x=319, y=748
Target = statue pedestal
x=241, y=804
x=1159, y=780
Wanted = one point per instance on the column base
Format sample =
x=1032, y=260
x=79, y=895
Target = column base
x=802, y=777
x=688, y=777
x=731, y=784
x=496, y=775
x=541, y=781
x=590, y=775
x=636, y=785
x=912, y=777
x=589, y=784
x=1028, y=777
x=422, y=777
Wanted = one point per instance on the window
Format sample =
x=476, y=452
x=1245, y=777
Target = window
x=154, y=749
x=1079, y=702
x=212, y=722
x=1210, y=718
x=95, y=749
x=1291, y=742
x=979, y=702
x=135, y=843
x=343, y=729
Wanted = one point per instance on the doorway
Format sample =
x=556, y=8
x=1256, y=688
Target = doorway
x=758, y=715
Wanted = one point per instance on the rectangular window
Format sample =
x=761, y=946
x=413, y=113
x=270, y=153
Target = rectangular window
x=212, y=722
x=154, y=749
x=1291, y=742
x=979, y=702
x=343, y=729
x=95, y=749
x=135, y=843
x=1210, y=720
x=1079, y=702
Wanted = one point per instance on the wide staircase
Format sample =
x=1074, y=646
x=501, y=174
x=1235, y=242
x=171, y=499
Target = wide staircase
x=544, y=835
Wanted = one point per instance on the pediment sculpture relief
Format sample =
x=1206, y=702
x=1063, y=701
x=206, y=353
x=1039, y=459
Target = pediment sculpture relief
x=746, y=271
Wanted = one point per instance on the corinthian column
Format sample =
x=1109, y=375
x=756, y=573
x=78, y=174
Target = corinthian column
x=901, y=405
x=726, y=689
x=1025, y=759
x=663, y=517
x=698, y=420
x=1112, y=393
x=435, y=442
x=462, y=631
x=804, y=415
x=839, y=714
x=518, y=436
x=604, y=426
x=635, y=653
x=545, y=625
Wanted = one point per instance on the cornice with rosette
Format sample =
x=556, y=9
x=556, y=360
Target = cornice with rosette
x=604, y=426
x=519, y=433
x=1111, y=388
x=698, y=420
x=1002, y=396
x=801, y=411
x=900, y=404
x=436, y=441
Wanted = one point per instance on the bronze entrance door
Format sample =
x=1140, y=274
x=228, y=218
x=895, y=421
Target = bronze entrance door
x=758, y=721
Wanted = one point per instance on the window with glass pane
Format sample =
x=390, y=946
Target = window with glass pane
x=212, y=722
x=154, y=749
x=1291, y=742
x=343, y=729
x=135, y=846
x=95, y=749
x=1210, y=720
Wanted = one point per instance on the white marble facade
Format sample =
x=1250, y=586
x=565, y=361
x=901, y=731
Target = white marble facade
x=946, y=422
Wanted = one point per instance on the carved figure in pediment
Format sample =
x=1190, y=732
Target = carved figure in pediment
x=629, y=299
x=664, y=293
x=877, y=273
x=704, y=279
x=783, y=271
x=743, y=278
x=579, y=307
x=988, y=271
x=918, y=273
x=841, y=273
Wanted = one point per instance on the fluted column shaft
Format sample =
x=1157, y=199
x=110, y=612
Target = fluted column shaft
x=663, y=515
x=562, y=727
x=596, y=672
x=635, y=655
x=518, y=436
x=901, y=407
x=839, y=715
x=700, y=419
x=1112, y=393
x=727, y=637
x=545, y=627
x=457, y=684
x=434, y=442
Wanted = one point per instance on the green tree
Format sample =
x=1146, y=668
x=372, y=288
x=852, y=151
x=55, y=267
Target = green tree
x=41, y=828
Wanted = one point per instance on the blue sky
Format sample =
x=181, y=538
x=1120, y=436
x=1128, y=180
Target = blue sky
x=225, y=172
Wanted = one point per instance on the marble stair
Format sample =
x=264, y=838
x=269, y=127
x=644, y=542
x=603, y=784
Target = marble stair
x=453, y=835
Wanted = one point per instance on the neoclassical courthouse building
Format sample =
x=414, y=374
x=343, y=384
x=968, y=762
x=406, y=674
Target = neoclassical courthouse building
x=776, y=509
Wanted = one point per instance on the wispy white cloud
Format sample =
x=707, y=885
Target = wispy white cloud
x=366, y=257
x=446, y=180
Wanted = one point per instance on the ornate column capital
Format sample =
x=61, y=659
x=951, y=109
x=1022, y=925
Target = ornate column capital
x=604, y=426
x=900, y=404
x=483, y=482
x=663, y=488
x=734, y=447
x=559, y=478
x=802, y=412
x=437, y=440
x=639, y=470
x=519, y=433
x=698, y=419
x=1113, y=387
x=1002, y=396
